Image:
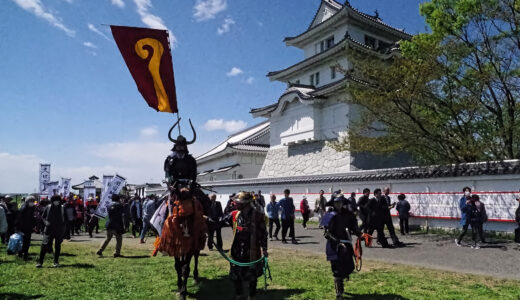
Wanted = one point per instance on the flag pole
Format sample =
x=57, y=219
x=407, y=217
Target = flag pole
x=179, y=123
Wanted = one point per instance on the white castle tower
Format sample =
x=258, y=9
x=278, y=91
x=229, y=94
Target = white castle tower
x=313, y=110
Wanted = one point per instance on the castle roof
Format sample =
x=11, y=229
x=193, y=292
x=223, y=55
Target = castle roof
x=346, y=11
x=245, y=140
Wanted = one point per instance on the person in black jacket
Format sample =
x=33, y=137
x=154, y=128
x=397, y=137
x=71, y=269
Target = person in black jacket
x=214, y=216
x=340, y=225
x=115, y=226
x=25, y=223
x=54, y=219
x=403, y=208
x=376, y=208
x=363, y=210
x=387, y=217
x=517, y=219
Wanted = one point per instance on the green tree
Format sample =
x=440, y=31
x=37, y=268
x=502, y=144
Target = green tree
x=452, y=96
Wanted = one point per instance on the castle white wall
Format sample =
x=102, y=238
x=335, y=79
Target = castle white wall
x=434, y=201
x=250, y=166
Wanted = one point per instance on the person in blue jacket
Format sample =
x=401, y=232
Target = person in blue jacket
x=272, y=213
x=287, y=206
x=465, y=209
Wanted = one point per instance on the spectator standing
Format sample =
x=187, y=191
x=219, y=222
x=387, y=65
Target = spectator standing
x=114, y=226
x=287, y=206
x=387, y=217
x=305, y=211
x=517, y=219
x=80, y=213
x=70, y=214
x=214, y=216
x=230, y=205
x=54, y=220
x=403, y=209
x=25, y=224
x=273, y=214
x=92, y=221
x=377, y=208
x=477, y=218
x=363, y=209
x=320, y=206
x=136, y=210
x=3, y=222
x=148, y=211
x=127, y=216
x=11, y=214
x=260, y=200
x=464, y=206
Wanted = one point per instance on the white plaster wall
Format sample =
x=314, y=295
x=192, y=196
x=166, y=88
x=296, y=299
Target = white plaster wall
x=325, y=73
x=433, y=201
x=334, y=117
x=250, y=166
x=295, y=123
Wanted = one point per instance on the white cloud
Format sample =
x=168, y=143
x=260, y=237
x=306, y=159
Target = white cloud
x=234, y=72
x=220, y=124
x=208, y=9
x=94, y=29
x=250, y=80
x=149, y=131
x=226, y=26
x=151, y=20
x=118, y=3
x=138, y=162
x=89, y=45
x=38, y=9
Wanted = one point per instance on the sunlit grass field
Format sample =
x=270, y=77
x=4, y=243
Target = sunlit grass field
x=296, y=275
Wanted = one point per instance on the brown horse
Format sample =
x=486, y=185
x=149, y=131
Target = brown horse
x=183, y=234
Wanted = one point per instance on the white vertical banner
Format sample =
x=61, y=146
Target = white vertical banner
x=106, y=181
x=53, y=188
x=65, y=186
x=114, y=187
x=89, y=190
x=45, y=177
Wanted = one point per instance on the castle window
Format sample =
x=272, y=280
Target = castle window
x=322, y=46
x=312, y=79
x=370, y=41
x=330, y=42
x=332, y=72
x=317, y=78
x=297, y=81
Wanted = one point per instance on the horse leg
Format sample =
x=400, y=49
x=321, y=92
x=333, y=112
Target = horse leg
x=178, y=269
x=185, y=274
x=196, y=267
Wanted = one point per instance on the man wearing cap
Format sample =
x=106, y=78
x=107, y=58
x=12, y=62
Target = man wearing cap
x=339, y=225
x=249, y=243
x=320, y=206
x=54, y=219
x=114, y=225
x=25, y=223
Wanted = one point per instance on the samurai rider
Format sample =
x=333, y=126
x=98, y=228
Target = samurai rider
x=180, y=165
x=339, y=224
x=249, y=243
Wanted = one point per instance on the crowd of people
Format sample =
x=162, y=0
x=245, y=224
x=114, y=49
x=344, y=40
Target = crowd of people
x=340, y=216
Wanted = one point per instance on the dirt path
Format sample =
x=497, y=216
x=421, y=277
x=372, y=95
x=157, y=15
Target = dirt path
x=497, y=258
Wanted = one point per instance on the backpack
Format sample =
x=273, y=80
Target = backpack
x=15, y=243
x=475, y=214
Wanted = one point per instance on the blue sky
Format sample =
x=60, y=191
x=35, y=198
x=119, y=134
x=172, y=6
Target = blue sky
x=67, y=98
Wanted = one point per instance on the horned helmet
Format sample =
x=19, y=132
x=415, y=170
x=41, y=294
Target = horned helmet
x=180, y=143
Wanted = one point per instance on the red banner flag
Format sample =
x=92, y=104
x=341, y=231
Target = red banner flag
x=147, y=55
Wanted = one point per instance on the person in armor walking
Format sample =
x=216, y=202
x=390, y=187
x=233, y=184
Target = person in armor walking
x=340, y=224
x=249, y=244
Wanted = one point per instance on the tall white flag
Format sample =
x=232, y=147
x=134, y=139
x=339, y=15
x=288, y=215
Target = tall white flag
x=65, y=186
x=45, y=177
x=114, y=187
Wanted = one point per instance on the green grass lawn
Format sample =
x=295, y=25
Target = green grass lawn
x=296, y=275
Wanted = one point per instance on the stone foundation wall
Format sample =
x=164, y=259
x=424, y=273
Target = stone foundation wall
x=304, y=159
